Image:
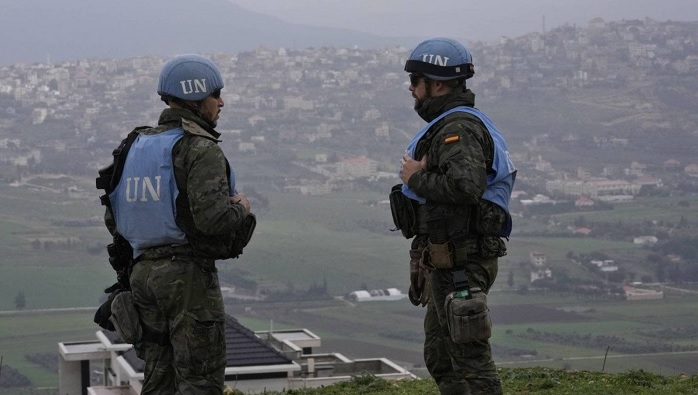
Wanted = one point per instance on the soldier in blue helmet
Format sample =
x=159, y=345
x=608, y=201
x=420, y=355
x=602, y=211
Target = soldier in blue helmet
x=457, y=181
x=172, y=204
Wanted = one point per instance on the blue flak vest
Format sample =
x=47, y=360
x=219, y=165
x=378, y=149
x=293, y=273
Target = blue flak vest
x=144, y=201
x=500, y=178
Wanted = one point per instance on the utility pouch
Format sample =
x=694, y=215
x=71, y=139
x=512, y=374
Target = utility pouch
x=439, y=248
x=243, y=236
x=491, y=247
x=489, y=219
x=440, y=255
x=468, y=316
x=125, y=319
x=402, y=210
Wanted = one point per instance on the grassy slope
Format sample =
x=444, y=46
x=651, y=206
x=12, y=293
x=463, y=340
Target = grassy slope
x=306, y=239
x=536, y=381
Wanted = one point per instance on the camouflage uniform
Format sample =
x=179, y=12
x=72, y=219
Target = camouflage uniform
x=176, y=288
x=453, y=183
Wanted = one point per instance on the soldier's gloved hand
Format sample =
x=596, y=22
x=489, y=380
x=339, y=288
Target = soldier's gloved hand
x=419, y=292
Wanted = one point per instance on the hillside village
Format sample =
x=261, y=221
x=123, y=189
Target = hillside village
x=328, y=120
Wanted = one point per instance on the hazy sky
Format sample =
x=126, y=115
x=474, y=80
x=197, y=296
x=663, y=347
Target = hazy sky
x=475, y=20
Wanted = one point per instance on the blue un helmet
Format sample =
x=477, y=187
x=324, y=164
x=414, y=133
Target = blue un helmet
x=189, y=77
x=441, y=59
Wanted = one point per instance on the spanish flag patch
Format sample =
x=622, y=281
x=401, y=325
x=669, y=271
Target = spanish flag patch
x=451, y=139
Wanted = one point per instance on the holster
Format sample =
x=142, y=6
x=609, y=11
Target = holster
x=404, y=217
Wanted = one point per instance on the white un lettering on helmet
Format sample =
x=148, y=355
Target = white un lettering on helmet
x=435, y=59
x=193, y=86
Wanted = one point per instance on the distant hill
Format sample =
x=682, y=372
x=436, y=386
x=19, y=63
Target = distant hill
x=37, y=30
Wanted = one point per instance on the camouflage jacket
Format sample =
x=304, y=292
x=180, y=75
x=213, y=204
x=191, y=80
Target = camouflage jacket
x=204, y=211
x=459, y=150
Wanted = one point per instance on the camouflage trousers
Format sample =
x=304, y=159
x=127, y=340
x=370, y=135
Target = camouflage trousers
x=459, y=369
x=181, y=296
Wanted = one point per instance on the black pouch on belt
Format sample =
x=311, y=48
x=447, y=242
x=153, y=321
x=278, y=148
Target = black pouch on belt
x=403, y=213
x=244, y=235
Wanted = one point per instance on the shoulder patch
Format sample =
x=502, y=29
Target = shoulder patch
x=192, y=128
x=451, y=139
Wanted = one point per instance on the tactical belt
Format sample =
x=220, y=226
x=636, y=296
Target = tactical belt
x=167, y=251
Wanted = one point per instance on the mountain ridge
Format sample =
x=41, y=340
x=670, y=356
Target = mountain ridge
x=74, y=29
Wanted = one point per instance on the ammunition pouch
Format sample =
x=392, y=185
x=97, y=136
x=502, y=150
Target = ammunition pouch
x=468, y=316
x=440, y=256
x=439, y=246
x=243, y=235
x=491, y=247
x=489, y=219
x=404, y=217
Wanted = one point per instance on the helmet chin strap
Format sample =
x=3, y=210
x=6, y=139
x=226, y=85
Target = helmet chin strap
x=195, y=108
x=198, y=112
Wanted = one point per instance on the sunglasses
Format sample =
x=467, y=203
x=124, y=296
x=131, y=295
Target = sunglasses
x=415, y=78
x=216, y=94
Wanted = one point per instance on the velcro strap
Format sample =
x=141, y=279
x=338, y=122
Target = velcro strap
x=460, y=279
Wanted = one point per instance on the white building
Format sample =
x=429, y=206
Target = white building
x=256, y=362
x=537, y=259
x=357, y=167
x=645, y=240
x=376, y=295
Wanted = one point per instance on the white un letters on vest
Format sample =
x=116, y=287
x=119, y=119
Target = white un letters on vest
x=435, y=59
x=145, y=185
x=193, y=86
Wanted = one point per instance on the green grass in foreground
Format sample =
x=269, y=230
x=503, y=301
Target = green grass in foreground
x=523, y=381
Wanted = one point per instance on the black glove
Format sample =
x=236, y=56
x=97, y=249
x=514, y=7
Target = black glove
x=104, y=311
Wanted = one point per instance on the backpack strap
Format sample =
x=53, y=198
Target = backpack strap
x=109, y=176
